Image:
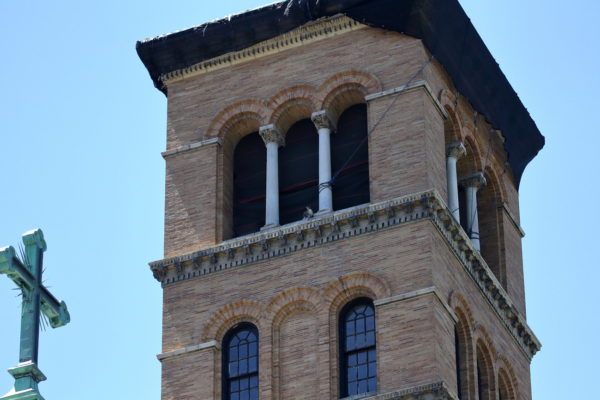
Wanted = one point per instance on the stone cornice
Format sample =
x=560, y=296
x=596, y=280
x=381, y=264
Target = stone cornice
x=408, y=88
x=309, y=33
x=192, y=146
x=339, y=225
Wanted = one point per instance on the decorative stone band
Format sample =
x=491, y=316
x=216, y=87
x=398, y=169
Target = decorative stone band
x=418, y=293
x=211, y=344
x=322, y=120
x=270, y=134
x=476, y=180
x=456, y=150
x=416, y=85
x=432, y=391
x=339, y=225
x=192, y=146
x=309, y=33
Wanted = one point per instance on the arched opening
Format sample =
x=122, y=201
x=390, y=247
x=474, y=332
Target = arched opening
x=488, y=200
x=298, y=171
x=466, y=166
x=485, y=386
x=249, y=180
x=505, y=389
x=350, y=159
x=460, y=347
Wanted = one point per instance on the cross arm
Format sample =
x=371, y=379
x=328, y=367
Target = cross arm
x=56, y=311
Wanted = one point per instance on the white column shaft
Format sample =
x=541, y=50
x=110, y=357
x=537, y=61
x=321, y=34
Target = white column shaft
x=325, y=193
x=272, y=200
x=472, y=218
x=452, y=187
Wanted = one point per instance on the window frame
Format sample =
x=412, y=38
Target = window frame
x=343, y=354
x=225, y=345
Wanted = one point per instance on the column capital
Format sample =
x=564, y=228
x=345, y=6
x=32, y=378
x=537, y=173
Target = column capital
x=456, y=150
x=322, y=120
x=270, y=133
x=476, y=180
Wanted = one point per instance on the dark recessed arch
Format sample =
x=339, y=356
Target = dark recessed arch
x=350, y=158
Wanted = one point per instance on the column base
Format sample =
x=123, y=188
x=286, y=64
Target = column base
x=27, y=376
x=28, y=394
x=269, y=226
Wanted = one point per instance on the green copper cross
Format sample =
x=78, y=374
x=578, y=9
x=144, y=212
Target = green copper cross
x=27, y=274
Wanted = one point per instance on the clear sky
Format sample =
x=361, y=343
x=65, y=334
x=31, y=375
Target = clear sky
x=82, y=128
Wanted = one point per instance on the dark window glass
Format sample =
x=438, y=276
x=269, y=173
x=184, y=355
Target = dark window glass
x=350, y=159
x=458, y=349
x=299, y=172
x=358, y=356
x=249, y=181
x=240, y=363
x=479, y=381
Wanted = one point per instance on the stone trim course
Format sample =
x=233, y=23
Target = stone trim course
x=339, y=225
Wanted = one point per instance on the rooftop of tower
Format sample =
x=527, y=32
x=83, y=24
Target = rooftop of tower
x=442, y=25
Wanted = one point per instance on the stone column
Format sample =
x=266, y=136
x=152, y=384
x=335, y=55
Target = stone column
x=472, y=183
x=273, y=140
x=454, y=151
x=324, y=126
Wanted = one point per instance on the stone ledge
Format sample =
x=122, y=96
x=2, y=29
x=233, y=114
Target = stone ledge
x=347, y=223
x=192, y=146
x=187, y=350
x=417, y=293
x=421, y=84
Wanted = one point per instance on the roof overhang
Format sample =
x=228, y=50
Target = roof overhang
x=442, y=25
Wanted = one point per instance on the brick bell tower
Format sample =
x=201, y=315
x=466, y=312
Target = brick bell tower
x=342, y=213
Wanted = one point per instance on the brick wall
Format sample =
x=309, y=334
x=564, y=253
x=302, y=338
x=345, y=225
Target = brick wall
x=294, y=300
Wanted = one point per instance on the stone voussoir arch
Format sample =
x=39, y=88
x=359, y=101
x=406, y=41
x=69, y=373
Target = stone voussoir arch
x=255, y=109
x=349, y=287
x=231, y=315
x=345, y=89
x=448, y=99
x=459, y=303
x=289, y=301
x=483, y=338
x=505, y=368
x=364, y=79
x=291, y=105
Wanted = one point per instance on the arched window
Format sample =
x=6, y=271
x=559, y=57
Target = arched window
x=350, y=158
x=299, y=172
x=240, y=363
x=460, y=359
x=249, y=180
x=358, y=358
x=484, y=389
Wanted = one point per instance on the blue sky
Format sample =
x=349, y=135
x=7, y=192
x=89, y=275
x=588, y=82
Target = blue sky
x=82, y=129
